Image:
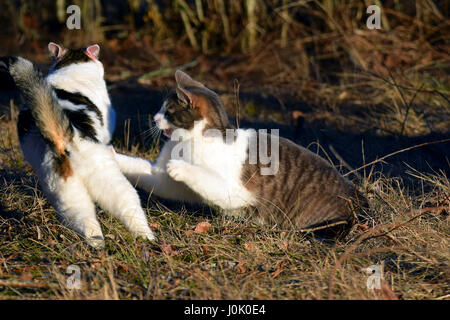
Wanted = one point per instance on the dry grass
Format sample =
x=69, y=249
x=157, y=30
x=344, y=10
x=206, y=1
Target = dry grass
x=231, y=260
x=362, y=94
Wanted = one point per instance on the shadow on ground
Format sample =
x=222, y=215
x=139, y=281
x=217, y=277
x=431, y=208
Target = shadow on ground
x=356, y=145
x=138, y=104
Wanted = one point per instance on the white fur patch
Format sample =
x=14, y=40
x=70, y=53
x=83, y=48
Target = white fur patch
x=211, y=174
x=96, y=175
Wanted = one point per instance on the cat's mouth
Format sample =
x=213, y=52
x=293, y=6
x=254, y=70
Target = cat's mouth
x=168, y=132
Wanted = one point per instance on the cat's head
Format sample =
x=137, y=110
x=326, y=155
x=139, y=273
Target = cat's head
x=191, y=106
x=65, y=57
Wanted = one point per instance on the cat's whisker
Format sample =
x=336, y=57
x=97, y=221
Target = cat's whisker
x=156, y=132
x=151, y=132
x=158, y=136
x=145, y=133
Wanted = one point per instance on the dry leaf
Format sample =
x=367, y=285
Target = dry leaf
x=343, y=95
x=386, y=292
x=202, y=227
x=154, y=226
x=168, y=249
x=284, y=245
x=241, y=268
x=297, y=114
x=278, y=270
x=95, y=266
x=206, y=250
x=249, y=246
x=364, y=227
x=26, y=276
x=39, y=237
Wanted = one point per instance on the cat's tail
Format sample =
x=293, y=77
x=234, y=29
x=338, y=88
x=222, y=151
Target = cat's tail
x=52, y=123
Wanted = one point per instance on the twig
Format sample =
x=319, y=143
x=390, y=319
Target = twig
x=419, y=212
x=409, y=107
x=187, y=24
x=238, y=104
x=396, y=152
x=27, y=284
x=220, y=6
x=306, y=230
x=324, y=227
x=373, y=74
x=371, y=234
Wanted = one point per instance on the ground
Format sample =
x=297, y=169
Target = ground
x=201, y=254
x=375, y=103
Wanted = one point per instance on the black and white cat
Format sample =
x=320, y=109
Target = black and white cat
x=64, y=134
x=304, y=192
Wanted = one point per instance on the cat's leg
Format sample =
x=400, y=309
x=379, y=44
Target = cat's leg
x=68, y=196
x=227, y=194
x=154, y=179
x=132, y=167
x=74, y=206
x=162, y=185
x=114, y=193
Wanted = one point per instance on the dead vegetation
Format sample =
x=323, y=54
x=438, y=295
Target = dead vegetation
x=203, y=255
x=311, y=67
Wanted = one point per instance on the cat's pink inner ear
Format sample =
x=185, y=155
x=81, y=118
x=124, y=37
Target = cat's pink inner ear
x=55, y=50
x=93, y=51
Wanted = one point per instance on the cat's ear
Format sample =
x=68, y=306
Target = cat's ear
x=184, y=81
x=55, y=50
x=185, y=96
x=93, y=51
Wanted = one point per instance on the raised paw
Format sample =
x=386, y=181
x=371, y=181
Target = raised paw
x=178, y=169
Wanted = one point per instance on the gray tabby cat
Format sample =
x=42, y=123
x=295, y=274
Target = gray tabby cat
x=306, y=192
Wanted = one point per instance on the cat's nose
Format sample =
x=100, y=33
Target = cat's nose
x=157, y=117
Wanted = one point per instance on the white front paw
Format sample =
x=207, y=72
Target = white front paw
x=147, y=167
x=147, y=234
x=178, y=169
